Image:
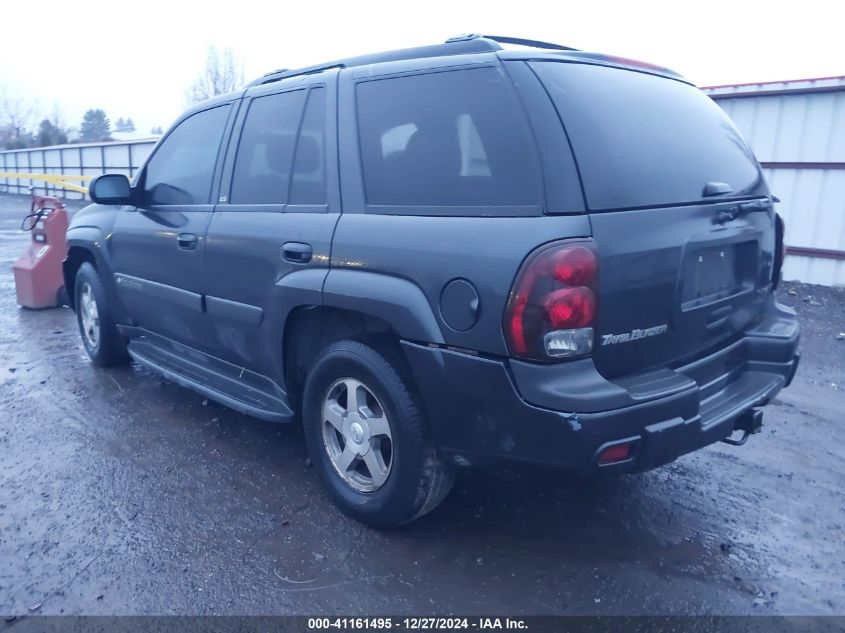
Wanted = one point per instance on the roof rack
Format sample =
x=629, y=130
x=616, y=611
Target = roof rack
x=460, y=45
x=518, y=41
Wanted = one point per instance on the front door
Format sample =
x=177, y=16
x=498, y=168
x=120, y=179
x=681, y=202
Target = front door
x=158, y=248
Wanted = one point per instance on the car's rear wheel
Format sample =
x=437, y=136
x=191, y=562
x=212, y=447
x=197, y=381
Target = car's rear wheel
x=368, y=438
x=103, y=342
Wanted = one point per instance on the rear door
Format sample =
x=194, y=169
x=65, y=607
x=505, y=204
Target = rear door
x=678, y=208
x=276, y=214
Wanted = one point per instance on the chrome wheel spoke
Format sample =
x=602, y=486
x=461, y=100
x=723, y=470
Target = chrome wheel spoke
x=352, y=395
x=333, y=413
x=346, y=458
x=376, y=466
x=378, y=426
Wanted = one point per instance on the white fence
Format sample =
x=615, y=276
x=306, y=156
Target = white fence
x=797, y=130
x=87, y=159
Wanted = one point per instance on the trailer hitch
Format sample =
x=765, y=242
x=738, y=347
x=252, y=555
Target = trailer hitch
x=749, y=422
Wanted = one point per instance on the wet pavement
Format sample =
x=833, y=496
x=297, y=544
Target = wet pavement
x=122, y=493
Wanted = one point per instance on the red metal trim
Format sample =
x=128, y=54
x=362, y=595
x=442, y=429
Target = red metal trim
x=768, y=83
x=801, y=165
x=821, y=253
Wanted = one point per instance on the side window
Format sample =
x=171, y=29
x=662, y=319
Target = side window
x=265, y=153
x=455, y=138
x=182, y=168
x=309, y=166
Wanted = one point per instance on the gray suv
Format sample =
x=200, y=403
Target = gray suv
x=444, y=256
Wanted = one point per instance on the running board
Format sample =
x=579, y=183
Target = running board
x=232, y=386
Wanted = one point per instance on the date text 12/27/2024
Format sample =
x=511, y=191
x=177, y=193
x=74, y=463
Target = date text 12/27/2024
x=417, y=623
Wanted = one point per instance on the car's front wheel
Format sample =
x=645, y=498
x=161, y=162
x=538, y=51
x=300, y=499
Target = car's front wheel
x=368, y=438
x=105, y=345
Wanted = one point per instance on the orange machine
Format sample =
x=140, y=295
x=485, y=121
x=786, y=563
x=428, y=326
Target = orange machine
x=38, y=272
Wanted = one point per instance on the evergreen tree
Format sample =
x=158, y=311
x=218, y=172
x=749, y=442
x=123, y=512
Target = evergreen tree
x=95, y=127
x=50, y=134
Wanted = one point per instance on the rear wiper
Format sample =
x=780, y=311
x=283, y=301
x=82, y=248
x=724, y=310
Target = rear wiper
x=754, y=205
x=732, y=213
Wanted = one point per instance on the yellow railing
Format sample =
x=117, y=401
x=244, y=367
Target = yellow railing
x=61, y=181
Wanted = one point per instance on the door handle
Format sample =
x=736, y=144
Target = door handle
x=296, y=252
x=187, y=241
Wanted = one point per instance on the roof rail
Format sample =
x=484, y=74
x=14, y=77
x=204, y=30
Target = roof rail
x=505, y=39
x=460, y=45
x=282, y=73
x=463, y=46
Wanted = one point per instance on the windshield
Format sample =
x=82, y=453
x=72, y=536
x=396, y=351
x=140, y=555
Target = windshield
x=641, y=140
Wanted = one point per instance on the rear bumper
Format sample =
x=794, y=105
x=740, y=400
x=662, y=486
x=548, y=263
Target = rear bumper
x=564, y=415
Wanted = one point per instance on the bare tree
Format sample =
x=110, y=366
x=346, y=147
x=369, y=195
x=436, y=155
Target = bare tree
x=56, y=123
x=57, y=118
x=223, y=73
x=15, y=120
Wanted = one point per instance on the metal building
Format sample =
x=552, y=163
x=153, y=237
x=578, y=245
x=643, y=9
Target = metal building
x=797, y=130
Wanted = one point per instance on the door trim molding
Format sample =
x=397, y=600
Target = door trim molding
x=127, y=285
x=234, y=310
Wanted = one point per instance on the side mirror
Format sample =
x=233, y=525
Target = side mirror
x=110, y=189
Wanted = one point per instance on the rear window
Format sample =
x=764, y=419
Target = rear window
x=642, y=140
x=446, y=139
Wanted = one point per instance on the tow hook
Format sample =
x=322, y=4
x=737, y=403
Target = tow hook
x=749, y=423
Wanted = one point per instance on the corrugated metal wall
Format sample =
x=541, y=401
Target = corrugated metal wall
x=88, y=159
x=797, y=130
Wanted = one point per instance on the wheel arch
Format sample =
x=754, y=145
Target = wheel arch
x=310, y=329
x=85, y=244
x=77, y=255
x=378, y=309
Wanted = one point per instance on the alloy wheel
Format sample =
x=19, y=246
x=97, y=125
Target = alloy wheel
x=89, y=315
x=357, y=435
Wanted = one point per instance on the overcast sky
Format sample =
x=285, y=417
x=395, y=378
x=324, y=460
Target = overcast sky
x=136, y=59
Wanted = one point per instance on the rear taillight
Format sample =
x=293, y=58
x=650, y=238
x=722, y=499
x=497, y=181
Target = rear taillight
x=552, y=305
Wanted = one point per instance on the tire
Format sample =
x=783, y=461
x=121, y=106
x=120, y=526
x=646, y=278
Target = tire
x=417, y=477
x=106, y=347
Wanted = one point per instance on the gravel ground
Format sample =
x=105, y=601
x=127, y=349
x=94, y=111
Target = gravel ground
x=123, y=494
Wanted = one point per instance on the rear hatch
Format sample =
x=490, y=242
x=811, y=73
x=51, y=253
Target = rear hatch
x=679, y=210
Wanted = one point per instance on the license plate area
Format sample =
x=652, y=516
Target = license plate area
x=714, y=273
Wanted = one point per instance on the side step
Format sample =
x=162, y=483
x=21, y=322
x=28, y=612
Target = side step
x=232, y=386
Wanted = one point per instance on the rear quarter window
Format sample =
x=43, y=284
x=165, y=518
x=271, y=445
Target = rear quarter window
x=642, y=140
x=450, y=140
